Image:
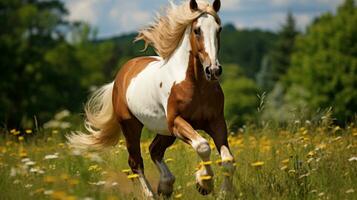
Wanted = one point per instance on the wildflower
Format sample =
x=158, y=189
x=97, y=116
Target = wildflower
x=132, y=176
x=205, y=178
x=337, y=128
x=94, y=168
x=126, y=171
x=304, y=175
x=23, y=154
x=178, y=196
x=28, y=185
x=285, y=161
x=257, y=164
x=48, y=192
x=206, y=163
x=30, y=163
x=51, y=157
x=354, y=158
x=321, y=194
x=28, y=131
x=13, y=172
x=350, y=191
x=54, y=131
x=169, y=160
x=292, y=171
x=21, y=138
x=283, y=168
x=15, y=132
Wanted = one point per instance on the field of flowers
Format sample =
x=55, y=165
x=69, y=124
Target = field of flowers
x=302, y=161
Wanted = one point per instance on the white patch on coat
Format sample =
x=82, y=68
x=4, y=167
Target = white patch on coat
x=147, y=94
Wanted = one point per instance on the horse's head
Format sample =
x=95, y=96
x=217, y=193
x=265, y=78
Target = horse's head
x=205, y=40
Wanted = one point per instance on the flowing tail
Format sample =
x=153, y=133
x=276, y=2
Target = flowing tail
x=104, y=129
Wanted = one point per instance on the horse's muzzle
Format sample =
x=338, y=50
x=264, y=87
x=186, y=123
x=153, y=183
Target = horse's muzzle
x=213, y=73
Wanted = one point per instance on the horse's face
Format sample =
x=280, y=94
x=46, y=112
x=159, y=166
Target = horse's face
x=205, y=36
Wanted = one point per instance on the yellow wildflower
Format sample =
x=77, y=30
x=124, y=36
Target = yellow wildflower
x=205, y=178
x=21, y=138
x=257, y=164
x=169, y=160
x=94, y=168
x=28, y=131
x=285, y=161
x=178, y=196
x=206, y=163
x=126, y=171
x=132, y=176
x=283, y=168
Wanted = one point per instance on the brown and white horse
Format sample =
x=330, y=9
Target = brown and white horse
x=173, y=95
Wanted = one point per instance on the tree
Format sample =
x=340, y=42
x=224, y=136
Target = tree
x=240, y=96
x=41, y=71
x=275, y=65
x=323, y=71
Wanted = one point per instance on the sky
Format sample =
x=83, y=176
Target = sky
x=113, y=17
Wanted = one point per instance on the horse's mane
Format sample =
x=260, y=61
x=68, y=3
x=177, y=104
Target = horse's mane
x=166, y=32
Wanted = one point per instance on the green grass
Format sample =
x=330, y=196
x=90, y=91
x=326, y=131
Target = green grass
x=307, y=162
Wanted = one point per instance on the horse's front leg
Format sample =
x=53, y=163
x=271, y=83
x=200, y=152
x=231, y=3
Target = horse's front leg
x=183, y=130
x=217, y=129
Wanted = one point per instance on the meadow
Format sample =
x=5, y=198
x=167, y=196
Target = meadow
x=303, y=160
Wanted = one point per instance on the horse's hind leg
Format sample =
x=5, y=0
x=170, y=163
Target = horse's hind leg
x=157, y=151
x=132, y=131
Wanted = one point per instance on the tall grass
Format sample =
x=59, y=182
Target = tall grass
x=301, y=161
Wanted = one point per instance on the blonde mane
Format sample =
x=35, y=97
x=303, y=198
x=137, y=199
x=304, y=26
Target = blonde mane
x=166, y=33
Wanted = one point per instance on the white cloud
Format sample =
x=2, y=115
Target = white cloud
x=84, y=10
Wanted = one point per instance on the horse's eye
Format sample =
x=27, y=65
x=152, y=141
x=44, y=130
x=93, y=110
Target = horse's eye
x=197, y=31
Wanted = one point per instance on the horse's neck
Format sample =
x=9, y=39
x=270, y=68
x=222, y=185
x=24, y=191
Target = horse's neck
x=179, y=62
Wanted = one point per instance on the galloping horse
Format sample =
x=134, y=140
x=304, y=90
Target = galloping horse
x=173, y=95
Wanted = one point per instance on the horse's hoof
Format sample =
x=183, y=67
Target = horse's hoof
x=164, y=191
x=202, y=190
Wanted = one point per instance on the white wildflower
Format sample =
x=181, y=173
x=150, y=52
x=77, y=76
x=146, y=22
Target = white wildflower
x=48, y=192
x=354, y=158
x=51, y=157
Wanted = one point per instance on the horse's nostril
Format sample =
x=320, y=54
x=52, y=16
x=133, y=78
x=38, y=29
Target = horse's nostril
x=208, y=72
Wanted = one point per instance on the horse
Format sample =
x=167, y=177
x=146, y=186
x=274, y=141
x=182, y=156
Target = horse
x=173, y=94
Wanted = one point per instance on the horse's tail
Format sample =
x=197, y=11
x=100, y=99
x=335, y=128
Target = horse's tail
x=104, y=130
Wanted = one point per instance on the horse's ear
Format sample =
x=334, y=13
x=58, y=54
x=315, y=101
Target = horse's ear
x=193, y=5
x=217, y=5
